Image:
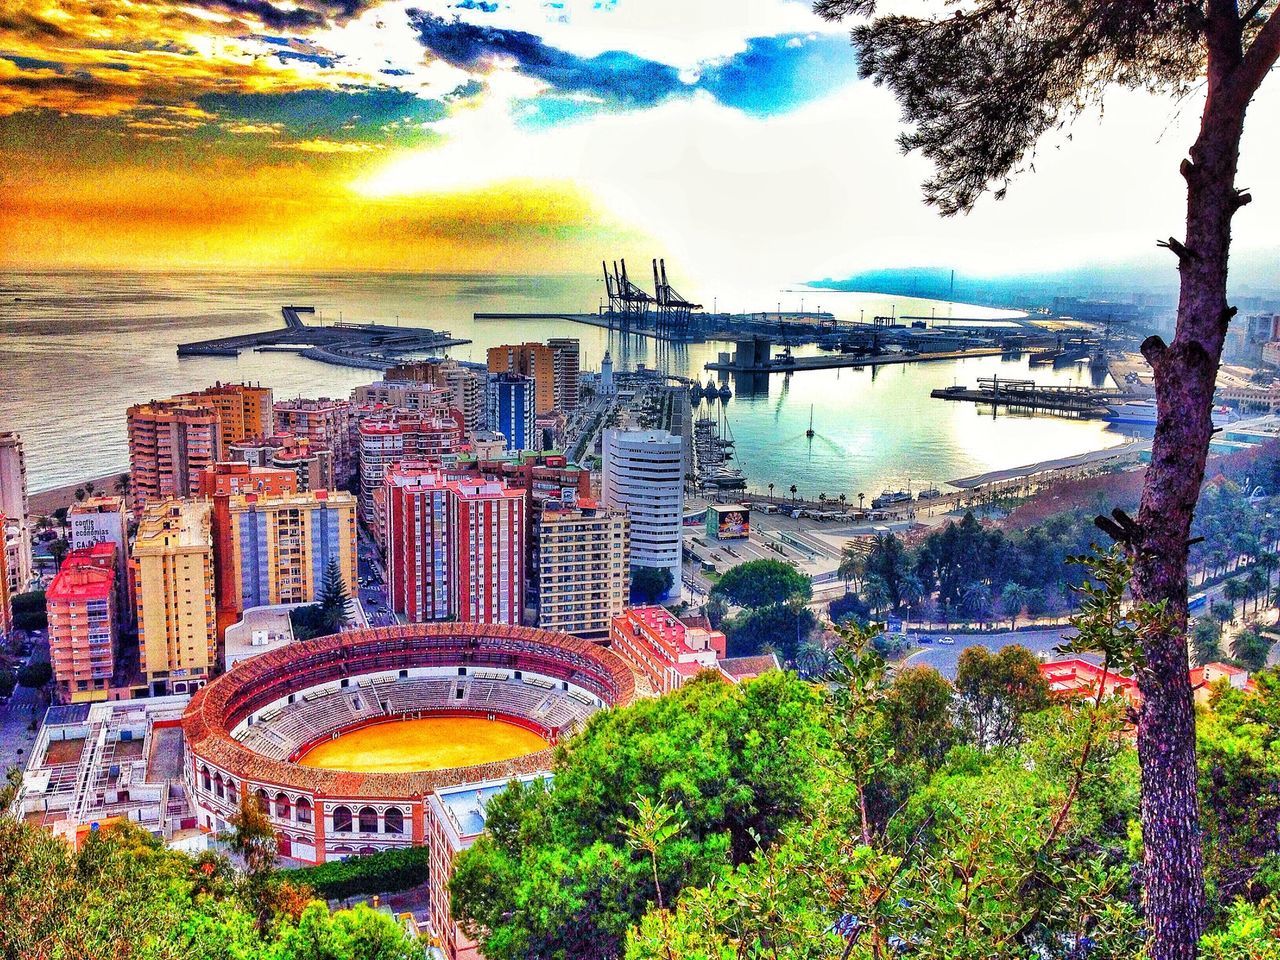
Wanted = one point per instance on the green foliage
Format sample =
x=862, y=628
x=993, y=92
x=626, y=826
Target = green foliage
x=1252, y=932
x=996, y=691
x=35, y=674
x=650, y=584
x=8, y=680
x=1250, y=649
x=919, y=712
x=387, y=872
x=29, y=611
x=780, y=627
x=1238, y=753
x=334, y=596
x=123, y=894
x=556, y=874
x=1206, y=643
x=763, y=583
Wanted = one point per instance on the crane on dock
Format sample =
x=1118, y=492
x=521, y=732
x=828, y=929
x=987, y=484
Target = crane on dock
x=674, y=311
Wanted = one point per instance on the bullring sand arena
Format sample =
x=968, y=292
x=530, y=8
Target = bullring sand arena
x=430, y=743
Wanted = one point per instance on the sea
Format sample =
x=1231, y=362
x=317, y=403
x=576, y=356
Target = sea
x=79, y=347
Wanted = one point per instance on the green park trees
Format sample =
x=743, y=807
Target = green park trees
x=122, y=894
x=557, y=874
x=650, y=584
x=775, y=615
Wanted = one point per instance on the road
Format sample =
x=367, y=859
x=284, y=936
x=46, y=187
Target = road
x=373, y=584
x=16, y=739
x=945, y=658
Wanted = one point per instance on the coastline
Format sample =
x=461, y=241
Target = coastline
x=44, y=502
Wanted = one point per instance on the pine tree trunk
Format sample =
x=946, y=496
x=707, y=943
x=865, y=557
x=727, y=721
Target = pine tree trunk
x=1185, y=375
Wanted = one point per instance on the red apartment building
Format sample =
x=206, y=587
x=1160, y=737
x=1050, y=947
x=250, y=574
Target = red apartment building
x=454, y=548
x=84, y=623
x=663, y=649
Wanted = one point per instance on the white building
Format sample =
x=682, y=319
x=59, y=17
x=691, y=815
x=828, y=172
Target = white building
x=606, y=376
x=16, y=528
x=643, y=474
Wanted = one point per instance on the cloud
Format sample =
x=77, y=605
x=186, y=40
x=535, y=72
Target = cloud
x=769, y=75
x=779, y=73
x=613, y=75
x=324, y=113
x=331, y=146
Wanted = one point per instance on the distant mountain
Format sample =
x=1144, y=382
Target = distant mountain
x=1255, y=278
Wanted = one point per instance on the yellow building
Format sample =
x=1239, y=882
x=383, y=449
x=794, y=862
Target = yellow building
x=173, y=579
x=583, y=568
x=536, y=360
x=281, y=545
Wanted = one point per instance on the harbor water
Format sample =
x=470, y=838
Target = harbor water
x=77, y=348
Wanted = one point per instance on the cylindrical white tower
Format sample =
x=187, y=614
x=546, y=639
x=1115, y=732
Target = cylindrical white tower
x=643, y=474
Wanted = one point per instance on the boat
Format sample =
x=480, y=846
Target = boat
x=809, y=433
x=889, y=498
x=929, y=493
x=727, y=479
x=1143, y=413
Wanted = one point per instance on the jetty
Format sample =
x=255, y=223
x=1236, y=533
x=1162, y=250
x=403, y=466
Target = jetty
x=789, y=364
x=1029, y=395
x=369, y=346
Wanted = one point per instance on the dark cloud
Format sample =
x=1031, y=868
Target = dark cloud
x=305, y=15
x=615, y=76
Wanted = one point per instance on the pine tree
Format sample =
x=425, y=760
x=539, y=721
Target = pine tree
x=334, y=597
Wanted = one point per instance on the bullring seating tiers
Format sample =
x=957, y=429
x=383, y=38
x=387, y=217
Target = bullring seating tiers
x=371, y=662
x=281, y=732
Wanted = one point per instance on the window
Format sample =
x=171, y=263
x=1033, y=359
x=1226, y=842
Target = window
x=394, y=820
x=264, y=804
x=304, y=810
x=206, y=782
x=368, y=820
x=341, y=820
x=282, y=806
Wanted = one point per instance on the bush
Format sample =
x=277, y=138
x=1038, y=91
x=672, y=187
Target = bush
x=850, y=607
x=386, y=872
x=762, y=583
x=29, y=611
x=650, y=584
x=7, y=682
x=35, y=675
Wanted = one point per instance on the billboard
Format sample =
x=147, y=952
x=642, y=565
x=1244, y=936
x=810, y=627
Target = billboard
x=729, y=522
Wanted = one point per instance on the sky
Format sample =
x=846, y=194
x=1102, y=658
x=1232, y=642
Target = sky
x=732, y=137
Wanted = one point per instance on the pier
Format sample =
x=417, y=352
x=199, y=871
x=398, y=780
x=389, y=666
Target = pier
x=1029, y=395
x=369, y=346
x=789, y=364
x=793, y=326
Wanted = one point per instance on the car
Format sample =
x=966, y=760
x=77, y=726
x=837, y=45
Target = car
x=947, y=640
x=924, y=638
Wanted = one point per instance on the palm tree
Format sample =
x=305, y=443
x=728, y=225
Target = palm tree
x=842, y=500
x=1013, y=598
x=852, y=566
x=1268, y=562
x=1235, y=591
x=976, y=598
x=793, y=493
x=1256, y=582
x=861, y=497
x=123, y=483
x=875, y=593
x=912, y=591
x=771, y=492
x=1222, y=612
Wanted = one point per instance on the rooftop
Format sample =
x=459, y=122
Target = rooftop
x=79, y=583
x=174, y=523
